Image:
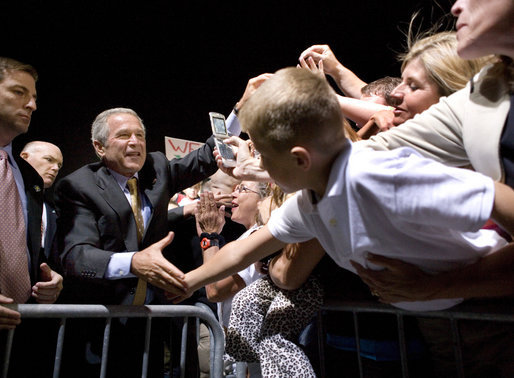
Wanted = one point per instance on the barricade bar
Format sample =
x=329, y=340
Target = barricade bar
x=67, y=311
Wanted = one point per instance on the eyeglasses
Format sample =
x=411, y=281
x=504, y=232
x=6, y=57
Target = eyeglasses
x=244, y=189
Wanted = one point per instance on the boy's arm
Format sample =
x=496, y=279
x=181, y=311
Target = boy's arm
x=232, y=258
x=503, y=209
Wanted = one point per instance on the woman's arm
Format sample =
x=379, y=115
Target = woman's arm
x=291, y=268
x=211, y=219
x=491, y=276
x=345, y=79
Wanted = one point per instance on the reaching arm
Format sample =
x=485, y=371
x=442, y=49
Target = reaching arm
x=360, y=111
x=211, y=219
x=503, y=209
x=491, y=276
x=232, y=258
x=289, y=271
x=346, y=80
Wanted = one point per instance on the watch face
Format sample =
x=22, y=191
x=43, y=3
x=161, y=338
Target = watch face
x=205, y=243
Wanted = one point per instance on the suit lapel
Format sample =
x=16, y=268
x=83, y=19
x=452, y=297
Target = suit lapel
x=34, y=192
x=147, y=182
x=115, y=198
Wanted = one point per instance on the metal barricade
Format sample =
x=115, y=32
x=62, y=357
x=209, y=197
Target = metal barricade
x=499, y=312
x=64, y=312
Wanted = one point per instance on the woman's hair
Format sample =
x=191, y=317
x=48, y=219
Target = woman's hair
x=263, y=190
x=437, y=52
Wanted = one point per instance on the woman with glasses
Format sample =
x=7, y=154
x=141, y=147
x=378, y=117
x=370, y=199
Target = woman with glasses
x=247, y=197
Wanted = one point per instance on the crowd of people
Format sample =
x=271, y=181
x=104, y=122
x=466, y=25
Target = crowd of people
x=405, y=182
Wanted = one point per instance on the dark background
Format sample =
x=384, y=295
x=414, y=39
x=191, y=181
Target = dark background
x=173, y=62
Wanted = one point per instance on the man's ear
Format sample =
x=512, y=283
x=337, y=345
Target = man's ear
x=24, y=155
x=302, y=156
x=99, y=148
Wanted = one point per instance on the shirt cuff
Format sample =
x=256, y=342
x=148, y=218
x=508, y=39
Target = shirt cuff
x=233, y=126
x=119, y=266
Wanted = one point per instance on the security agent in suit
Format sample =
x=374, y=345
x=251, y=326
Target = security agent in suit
x=18, y=101
x=96, y=229
x=46, y=158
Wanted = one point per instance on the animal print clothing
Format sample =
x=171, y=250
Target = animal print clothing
x=265, y=323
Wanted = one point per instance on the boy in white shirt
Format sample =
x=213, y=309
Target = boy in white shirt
x=353, y=200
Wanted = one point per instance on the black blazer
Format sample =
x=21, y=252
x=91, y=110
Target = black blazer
x=95, y=220
x=34, y=192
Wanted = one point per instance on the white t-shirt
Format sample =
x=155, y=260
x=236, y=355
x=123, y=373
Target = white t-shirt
x=249, y=275
x=396, y=204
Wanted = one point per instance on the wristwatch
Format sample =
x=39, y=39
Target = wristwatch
x=208, y=243
x=211, y=240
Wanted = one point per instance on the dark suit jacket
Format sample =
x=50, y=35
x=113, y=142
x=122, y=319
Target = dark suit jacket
x=50, y=233
x=34, y=192
x=95, y=220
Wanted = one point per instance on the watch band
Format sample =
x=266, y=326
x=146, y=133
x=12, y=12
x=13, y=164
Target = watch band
x=214, y=236
x=206, y=243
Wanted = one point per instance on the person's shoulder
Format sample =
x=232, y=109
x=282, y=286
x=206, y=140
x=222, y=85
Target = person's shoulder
x=83, y=176
x=490, y=83
x=366, y=162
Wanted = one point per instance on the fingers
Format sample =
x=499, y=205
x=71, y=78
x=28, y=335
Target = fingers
x=5, y=300
x=164, y=242
x=46, y=272
x=388, y=263
x=9, y=318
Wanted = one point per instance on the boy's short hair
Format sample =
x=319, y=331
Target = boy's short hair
x=381, y=87
x=294, y=106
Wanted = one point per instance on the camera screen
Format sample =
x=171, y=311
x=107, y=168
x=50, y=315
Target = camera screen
x=219, y=126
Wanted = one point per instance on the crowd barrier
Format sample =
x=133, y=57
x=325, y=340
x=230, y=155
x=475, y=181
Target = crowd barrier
x=498, y=312
x=64, y=312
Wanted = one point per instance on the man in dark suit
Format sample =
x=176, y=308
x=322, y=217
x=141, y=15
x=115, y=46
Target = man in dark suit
x=17, y=102
x=105, y=253
x=46, y=159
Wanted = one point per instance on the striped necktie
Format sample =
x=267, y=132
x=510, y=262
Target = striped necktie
x=135, y=202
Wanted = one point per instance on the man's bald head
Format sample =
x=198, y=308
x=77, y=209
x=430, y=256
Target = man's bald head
x=45, y=158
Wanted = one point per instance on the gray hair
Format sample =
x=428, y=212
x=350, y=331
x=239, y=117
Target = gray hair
x=100, y=128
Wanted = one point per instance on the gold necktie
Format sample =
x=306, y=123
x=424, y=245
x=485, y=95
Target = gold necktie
x=14, y=266
x=140, y=295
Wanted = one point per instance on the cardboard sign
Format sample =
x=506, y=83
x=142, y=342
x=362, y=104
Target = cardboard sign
x=177, y=148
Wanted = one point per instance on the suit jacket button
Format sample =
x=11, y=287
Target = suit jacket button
x=132, y=290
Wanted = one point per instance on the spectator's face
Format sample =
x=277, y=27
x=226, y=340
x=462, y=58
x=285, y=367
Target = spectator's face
x=415, y=94
x=245, y=203
x=125, y=149
x=46, y=160
x=17, y=102
x=484, y=27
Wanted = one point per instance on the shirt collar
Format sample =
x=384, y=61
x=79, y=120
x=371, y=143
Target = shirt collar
x=120, y=179
x=336, y=180
x=8, y=149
